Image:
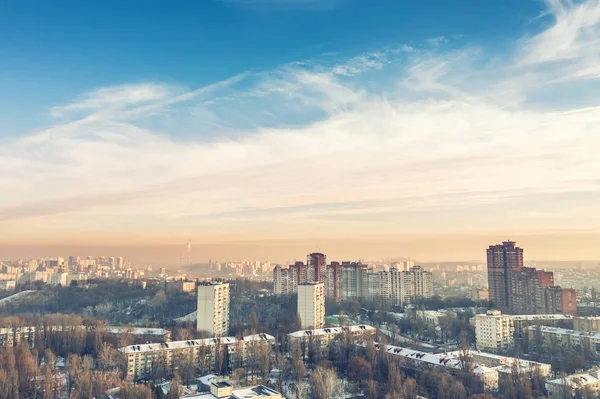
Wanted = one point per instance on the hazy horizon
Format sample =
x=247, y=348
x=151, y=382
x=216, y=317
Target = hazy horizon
x=451, y=248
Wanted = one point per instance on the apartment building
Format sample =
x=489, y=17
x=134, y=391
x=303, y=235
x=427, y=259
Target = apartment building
x=575, y=385
x=144, y=360
x=564, y=337
x=487, y=377
x=550, y=320
x=494, y=331
x=354, y=280
x=322, y=337
x=213, y=308
x=587, y=324
x=311, y=305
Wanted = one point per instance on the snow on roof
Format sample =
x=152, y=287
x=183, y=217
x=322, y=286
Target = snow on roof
x=441, y=359
x=193, y=343
x=542, y=317
x=504, y=360
x=136, y=330
x=577, y=380
x=259, y=391
x=332, y=331
x=563, y=331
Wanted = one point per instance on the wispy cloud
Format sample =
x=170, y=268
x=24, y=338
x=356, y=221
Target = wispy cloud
x=376, y=137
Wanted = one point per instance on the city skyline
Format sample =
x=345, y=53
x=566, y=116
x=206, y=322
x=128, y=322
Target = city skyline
x=402, y=134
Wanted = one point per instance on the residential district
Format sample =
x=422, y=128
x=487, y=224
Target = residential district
x=100, y=327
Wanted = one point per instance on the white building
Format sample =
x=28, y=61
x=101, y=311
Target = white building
x=494, y=330
x=58, y=278
x=311, y=305
x=143, y=360
x=213, y=308
x=488, y=377
x=432, y=317
x=574, y=385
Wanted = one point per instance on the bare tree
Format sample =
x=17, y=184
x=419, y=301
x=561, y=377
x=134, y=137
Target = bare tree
x=325, y=384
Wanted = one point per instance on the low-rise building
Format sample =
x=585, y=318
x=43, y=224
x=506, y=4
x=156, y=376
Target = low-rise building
x=144, y=360
x=324, y=336
x=547, y=336
x=505, y=365
x=576, y=385
x=487, y=377
x=494, y=331
x=550, y=320
x=433, y=317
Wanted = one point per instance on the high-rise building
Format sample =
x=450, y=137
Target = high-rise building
x=556, y=299
x=213, y=308
x=311, y=305
x=422, y=282
x=502, y=260
x=316, y=263
x=523, y=291
x=493, y=330
x=120, y=262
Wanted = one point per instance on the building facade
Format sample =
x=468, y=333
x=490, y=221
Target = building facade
x=351, y=280
x=211, y=354
x=311, y=305
x=587, y=324
x=494, y=331
x=213, y=308
x=502, y=260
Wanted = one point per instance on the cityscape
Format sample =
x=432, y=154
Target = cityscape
x=300, y=199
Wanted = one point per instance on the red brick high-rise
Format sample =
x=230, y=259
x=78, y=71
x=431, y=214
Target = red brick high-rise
x=502, y=261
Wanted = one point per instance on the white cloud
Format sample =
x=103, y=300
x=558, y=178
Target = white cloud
x=437, y=132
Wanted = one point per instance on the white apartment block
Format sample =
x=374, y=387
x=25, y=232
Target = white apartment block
x=311, y=305
x=564, y=337
x=324, y=336
x=488, y=377
x=213, y=308
x=143, y=360
x=574, y=385
x=494, y=330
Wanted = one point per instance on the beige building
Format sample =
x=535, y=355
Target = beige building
x=587, y=324
x=213, y=308
x=144, y=360
x=311, y=305
x=494, y=331
x=8, y=285
x=180, y=286
x=542, y=335
x=574, y=385
x=551, y=320
x=224, y=390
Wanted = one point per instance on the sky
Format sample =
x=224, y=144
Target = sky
x=271, y=128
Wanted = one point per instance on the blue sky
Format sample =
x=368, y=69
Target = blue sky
x=54, y=51
x=228, y=120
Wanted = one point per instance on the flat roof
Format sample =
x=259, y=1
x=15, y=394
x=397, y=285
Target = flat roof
x=435, y=359
x=193, y=343
x=542, y=317
x=259, y=391
x=564, y=331
x=332, y=331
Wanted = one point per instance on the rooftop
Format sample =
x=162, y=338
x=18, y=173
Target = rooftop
x=563, y=331
x=259, y=391
x=194, y=343
x=577, y=380
x=332, y=331
x=542, y=317
x=441, y=359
